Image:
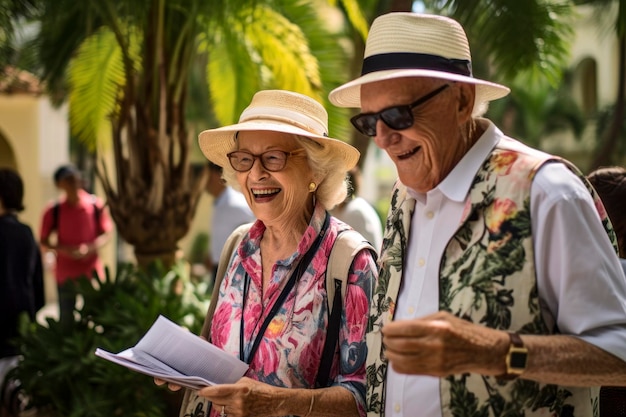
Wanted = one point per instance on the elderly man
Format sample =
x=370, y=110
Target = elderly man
x=500, y=291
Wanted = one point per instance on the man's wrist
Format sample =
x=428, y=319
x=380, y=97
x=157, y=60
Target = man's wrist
x=516, y=357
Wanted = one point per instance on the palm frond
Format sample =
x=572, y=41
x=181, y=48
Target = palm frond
x=530, y=35
x=96, y=78
x=285, y=51
x=64, y=26
x=287, y=47
x=232, y=75
x=332, y=59
x=354, y=13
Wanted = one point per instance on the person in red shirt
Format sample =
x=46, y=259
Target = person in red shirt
x=80, y=226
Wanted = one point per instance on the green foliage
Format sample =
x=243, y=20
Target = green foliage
x=89, y=118
x=354, y=10
x=535, y=110
x=59, y=370
x=531, y=36
x=606, y=6
x=278, y=45
x=13, y=16
x=199, y=248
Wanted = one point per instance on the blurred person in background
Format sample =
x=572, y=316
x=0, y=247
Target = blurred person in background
x=358, y=212
x=21, y=272
x=230, y=210
x=610, y=183
x=81, y=226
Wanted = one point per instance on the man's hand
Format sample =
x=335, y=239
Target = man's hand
x=442, y=344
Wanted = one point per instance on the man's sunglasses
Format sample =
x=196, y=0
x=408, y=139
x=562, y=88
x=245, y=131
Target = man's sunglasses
x=396, y=117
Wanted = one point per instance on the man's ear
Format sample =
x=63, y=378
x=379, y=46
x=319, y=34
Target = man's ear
x=467, y=95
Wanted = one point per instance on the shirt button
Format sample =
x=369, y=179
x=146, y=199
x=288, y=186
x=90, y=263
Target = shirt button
x=397, y=408
x=411, y=310
x=421, y=262
x=430, y=214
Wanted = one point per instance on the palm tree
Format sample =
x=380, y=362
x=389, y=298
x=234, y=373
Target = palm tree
x=512, y=37
x=129, y=66
x=13, y=54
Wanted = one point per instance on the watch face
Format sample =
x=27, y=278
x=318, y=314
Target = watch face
x=518, y=360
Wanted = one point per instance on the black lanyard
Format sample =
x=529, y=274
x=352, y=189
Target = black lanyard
x=295, y=276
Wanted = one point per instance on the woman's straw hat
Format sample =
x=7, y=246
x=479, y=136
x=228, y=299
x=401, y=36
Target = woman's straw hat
x=415, y=45
x=278, y=111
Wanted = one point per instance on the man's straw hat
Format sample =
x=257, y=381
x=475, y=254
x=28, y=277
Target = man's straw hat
x=278, y=111
x=415, y=45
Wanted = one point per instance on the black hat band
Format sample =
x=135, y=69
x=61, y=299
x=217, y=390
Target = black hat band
x=409, y=60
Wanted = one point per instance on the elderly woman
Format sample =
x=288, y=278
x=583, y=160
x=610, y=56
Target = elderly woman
x=280, y=157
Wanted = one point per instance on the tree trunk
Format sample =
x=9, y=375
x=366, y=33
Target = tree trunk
x=154, y=195
x=401, y=6
x=154, y=233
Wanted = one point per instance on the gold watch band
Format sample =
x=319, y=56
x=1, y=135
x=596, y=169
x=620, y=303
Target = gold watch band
x=516, y=357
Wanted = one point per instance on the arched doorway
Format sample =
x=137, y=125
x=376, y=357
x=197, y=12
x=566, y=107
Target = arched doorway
x=586, y=90
x=7, y=156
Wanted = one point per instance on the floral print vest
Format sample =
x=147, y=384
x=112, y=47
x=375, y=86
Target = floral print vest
x=487, y=275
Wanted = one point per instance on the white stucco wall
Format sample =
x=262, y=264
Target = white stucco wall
x=38, y=135
x=595, y=38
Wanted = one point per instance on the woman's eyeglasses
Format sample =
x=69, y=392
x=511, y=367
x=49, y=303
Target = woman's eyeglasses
x=396, y=117
x=274, y=160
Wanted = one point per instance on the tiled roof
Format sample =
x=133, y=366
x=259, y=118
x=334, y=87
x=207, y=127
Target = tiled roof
x=16, y=81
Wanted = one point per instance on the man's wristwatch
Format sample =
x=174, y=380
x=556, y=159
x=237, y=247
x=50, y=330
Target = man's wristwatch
x=516, y=357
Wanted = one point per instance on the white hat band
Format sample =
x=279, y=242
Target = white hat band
x=287, y=116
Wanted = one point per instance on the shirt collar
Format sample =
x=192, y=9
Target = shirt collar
x=457, y=183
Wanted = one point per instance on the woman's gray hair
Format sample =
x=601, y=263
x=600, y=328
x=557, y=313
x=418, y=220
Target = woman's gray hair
x=327, y=168
x=480, y=108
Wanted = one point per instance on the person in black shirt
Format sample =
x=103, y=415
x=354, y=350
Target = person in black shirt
x=21, y=273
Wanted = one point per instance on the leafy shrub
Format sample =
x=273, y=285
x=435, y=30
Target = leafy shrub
x=199, y=248
x=60, y=373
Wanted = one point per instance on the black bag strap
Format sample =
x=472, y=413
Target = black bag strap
x=332, y=337
x=346, y=246
x=97, y=212
x=55, y=216
x=295, y=276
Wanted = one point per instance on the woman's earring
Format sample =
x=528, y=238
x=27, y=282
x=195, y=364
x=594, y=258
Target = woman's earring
x=312, y=187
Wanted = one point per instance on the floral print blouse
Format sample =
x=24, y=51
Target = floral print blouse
x=289, y=353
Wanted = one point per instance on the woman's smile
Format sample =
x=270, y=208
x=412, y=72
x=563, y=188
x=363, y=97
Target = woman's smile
x=262, y=195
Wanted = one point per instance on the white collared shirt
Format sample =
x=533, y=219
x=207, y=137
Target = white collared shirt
x=580, y=280
x=230, y=210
